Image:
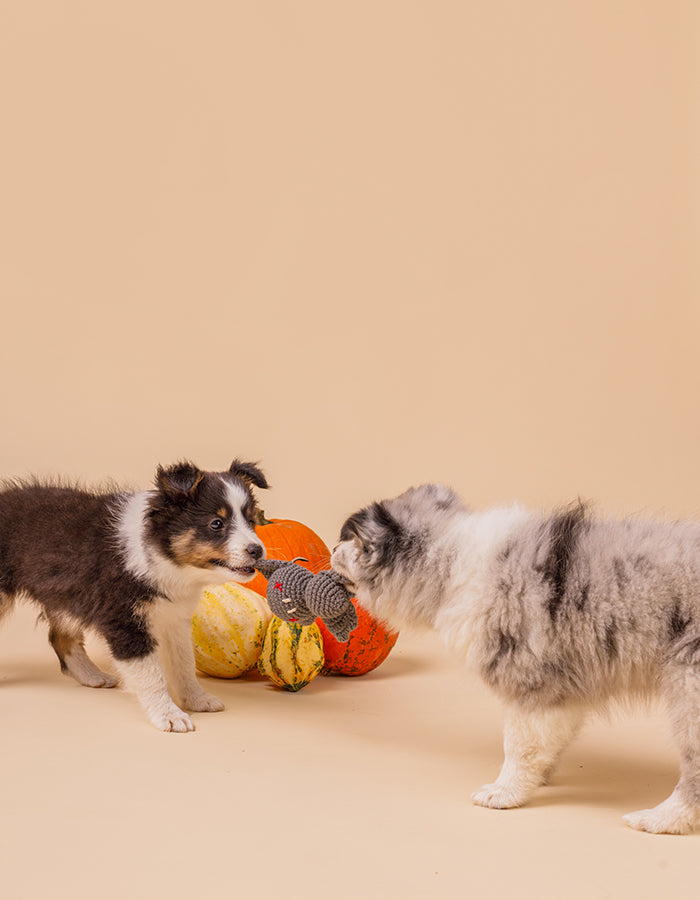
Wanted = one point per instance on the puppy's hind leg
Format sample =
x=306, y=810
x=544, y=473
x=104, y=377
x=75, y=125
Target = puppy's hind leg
x=7, y=601
x=70, y=650
x=680, y=812
x=533, y=742
x=6, y=604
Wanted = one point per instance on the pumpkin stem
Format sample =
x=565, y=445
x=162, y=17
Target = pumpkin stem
x=261, y=520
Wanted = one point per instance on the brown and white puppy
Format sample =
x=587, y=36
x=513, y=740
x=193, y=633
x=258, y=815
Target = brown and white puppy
x=561, y=614
x=130, y=566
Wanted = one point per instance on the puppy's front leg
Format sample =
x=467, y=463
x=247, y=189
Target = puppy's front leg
x=175, y=642
x=145, y=677
x=533, y=742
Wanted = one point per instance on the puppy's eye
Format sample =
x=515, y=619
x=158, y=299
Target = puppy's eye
x=216, y=524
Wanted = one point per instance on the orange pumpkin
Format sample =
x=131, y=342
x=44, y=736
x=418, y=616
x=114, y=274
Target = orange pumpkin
x=287, y=539
x=366, y=648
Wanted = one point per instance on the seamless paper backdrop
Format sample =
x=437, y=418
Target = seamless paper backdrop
x=367, y=244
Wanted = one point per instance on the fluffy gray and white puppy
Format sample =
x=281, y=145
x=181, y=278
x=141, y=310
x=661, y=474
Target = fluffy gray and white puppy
x=561, y=614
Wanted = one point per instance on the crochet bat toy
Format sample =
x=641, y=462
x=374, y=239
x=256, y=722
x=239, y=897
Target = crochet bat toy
x=297, y=595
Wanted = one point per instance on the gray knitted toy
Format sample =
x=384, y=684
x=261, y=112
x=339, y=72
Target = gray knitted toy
x=297, y=595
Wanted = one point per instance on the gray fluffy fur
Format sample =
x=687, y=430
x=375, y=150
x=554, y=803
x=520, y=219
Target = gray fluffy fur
x=560, y=614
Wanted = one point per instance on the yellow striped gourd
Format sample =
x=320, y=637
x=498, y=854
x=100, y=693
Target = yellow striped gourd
x=292, y=654
x=228, y=628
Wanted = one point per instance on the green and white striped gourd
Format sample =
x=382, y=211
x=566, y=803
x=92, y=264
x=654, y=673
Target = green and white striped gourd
x=292, y=654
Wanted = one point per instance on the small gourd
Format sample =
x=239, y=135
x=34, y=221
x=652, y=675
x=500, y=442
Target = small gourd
x=292, y=654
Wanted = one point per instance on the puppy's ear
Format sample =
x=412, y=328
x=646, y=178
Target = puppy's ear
x=179, y=482
x=353, y=526
x=387, y=522
x=249, y=473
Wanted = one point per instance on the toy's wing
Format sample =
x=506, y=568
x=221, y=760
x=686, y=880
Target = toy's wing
x=342, y=626
x=326, y=596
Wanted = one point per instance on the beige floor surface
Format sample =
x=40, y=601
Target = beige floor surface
x=353, y=788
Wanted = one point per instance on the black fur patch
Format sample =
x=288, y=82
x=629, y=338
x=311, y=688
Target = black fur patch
x=689, y=651
x=391, y=539
x=129, y=640
x=58, y=546
x=353, y=526
x=502, y=654
x=621, y=575
x=381, y=535
x=677, y=623
x=563, y=532
x=395, y=542
x=250, y=511
x=581, y=599
x=610, y=639
x=504, y=554
x=179, y=482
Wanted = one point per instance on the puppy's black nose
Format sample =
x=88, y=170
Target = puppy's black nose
x=254, y=550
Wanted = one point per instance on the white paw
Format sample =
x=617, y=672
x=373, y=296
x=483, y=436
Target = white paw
x=204, y=703
x=498, y=796
x=173, y=719
x=666, y=818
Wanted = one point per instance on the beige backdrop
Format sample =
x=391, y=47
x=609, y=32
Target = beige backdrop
x=368, y=244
